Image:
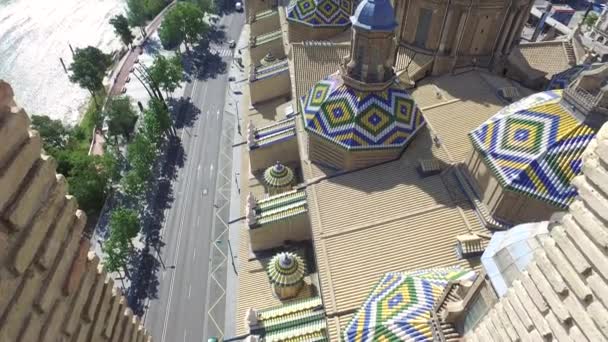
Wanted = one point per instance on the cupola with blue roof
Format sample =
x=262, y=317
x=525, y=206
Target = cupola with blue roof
x=375, y=15
x=361, y=115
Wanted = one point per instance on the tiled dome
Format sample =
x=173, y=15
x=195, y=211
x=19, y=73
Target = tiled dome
x=359, y=120
x=534, y=146
x=286, y=269
x=278, y=175
x=320, y=13
x=375, y=15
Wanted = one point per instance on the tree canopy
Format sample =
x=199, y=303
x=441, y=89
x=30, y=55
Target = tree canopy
x=183, y=24
x=590, y=19
x=124, y=223
x=167, y=73
x=206, y=6
x=89, y=179
x=121, y=28
x=54, y=135
x=89, y=67
x=121, y=117
x=156, y=121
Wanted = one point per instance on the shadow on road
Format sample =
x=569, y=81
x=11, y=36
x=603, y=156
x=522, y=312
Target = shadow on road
x=145, y=264
x=184, y=112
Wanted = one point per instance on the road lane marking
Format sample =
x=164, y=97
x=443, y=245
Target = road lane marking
x=185, y=335
x=189, y=290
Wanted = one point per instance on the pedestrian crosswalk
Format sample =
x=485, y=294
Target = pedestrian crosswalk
x=220, y=51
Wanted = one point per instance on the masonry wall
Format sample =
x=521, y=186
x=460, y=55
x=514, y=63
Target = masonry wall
x=270, y=88
x=52, y=288
x=275, y=47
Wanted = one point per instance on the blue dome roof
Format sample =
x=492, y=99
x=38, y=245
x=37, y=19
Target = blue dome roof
x=375, y=15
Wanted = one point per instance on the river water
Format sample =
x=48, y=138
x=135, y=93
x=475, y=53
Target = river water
x=34, y=34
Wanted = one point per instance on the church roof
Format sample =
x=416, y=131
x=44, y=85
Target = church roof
x=534, y=146
x=563, y=79
x=278, y=175
x=375, y=15
x=286, y=269
x=319, y=13
x=360, y=120
x=399, y=307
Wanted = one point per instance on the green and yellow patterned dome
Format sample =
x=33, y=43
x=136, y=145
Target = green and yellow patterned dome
x=286, y=269
x=278, y=176
x=320, y=13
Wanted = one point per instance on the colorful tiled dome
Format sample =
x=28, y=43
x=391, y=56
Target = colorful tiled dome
x=359, y=120
x=534, y=146
x=286, y=269
x=319, y=13
x=375, y=15
x=278, y=175
x=399, y=307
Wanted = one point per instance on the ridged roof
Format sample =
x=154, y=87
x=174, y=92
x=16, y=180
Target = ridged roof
x=286, y=269
x=319, y=13
x=399, y=307
x=281, y=207
x=298, y=320
x=534, y=147
x=360, y=120
x=278, y=175
x=270, y=67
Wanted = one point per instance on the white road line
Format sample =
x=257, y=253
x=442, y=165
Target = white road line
x=189, y=290
x=185, y=335
x=217, y=116
x=194, y=254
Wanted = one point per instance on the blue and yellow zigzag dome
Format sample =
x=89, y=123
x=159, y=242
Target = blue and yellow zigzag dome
x=320, y=13
x=534, y=146
x=357, y=120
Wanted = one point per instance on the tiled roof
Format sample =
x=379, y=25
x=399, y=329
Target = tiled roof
x=286, y=269
x=267, y=37
x=266, y=13
x=276, y=132
x=400, y=305
x=278, y=175
x=360, y=120
x=313, y=61
x=272, y=69
x=281, y=207
x=269, y=316
x=548, y=57
x=534, y=146
x=383, y=219
x=564, y=78
x=562, y=294
x=320, y=13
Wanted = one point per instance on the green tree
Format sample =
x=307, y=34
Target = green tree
x=89, y=179
x=124, y=223
x=121, y=28
x=89, y=67
x=156, y=121
x=116, y=250
x=141, y=153
x=54, y=135
x=167, y=73
x=184, y=23
x=121, y=117
x=590, y=19
x=206, y=6
x=136, y=14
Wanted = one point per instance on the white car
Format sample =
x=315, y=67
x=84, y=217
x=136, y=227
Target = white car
x=238, y=6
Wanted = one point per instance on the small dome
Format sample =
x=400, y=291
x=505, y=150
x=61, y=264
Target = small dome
x=278, y=175
x=268, y=59
x=375, y=15
x=286, y=269
x=320, y=13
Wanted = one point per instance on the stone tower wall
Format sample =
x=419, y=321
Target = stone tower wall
x=52, y=288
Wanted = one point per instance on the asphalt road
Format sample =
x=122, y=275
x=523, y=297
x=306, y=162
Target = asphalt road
x=180, y=310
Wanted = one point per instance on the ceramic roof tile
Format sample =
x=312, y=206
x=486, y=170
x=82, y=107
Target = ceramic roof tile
x=320, y=13
x=273, y=69
x=570, y=273
x=534, y=146
x=357, y=120
x=548, y=57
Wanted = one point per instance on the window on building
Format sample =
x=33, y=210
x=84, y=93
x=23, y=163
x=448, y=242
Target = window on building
x=424, y=24
x=475, y=312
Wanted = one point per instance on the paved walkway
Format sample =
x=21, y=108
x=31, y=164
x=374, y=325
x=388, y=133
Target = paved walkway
x=121, y=78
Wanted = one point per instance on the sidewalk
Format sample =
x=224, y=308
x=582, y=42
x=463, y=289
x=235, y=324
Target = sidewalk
x=127, y=62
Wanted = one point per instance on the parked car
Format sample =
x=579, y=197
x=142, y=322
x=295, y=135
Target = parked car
x=238, y=6
x=231, y=44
